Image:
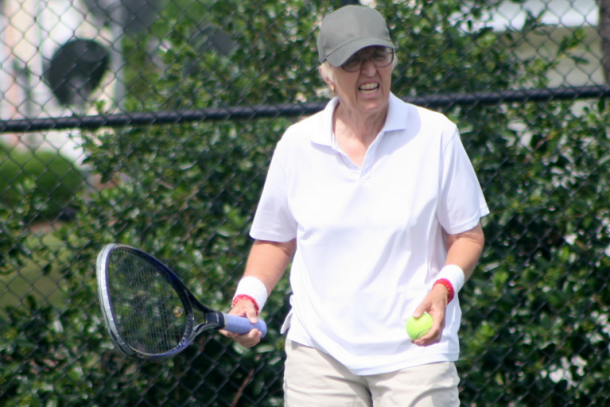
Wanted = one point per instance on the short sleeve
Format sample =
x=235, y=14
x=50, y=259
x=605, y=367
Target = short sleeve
x=461, y=203
x=273, y=220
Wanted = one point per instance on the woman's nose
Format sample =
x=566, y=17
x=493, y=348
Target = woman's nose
x=368, y=67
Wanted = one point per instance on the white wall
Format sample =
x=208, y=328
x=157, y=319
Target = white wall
x=31, y=31
x=569, y=13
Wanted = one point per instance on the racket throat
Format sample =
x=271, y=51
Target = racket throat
x=213, y=320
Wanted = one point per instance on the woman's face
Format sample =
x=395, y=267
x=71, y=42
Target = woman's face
x=363, y=83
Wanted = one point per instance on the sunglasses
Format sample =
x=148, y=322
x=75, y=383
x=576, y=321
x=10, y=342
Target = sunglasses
x=381, y=57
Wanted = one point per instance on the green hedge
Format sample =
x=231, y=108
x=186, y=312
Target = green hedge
x=54, y=179
x=535, y=312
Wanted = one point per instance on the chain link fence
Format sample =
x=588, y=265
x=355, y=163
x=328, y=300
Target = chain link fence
x=152, y=123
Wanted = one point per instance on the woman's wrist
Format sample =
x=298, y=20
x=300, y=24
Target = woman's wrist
x=452, y=278
x=245, y=297
x=448, y=288
x=251, y=289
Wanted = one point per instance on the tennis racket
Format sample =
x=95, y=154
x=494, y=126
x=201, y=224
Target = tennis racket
x=148, y=311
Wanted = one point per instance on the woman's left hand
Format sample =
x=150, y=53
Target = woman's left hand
x=464, y=250
x=434, y=304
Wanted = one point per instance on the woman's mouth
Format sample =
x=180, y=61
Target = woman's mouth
x=368, y=88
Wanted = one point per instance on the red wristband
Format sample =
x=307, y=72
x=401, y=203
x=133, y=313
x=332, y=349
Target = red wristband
x=240, y=297
x=448, y=286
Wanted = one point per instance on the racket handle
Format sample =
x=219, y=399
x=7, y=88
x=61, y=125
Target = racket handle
x=241, y=325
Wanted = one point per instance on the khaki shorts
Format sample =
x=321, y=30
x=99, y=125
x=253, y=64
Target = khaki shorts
x=314, y=379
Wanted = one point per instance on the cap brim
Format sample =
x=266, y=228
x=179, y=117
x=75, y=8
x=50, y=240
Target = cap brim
x=345, y=51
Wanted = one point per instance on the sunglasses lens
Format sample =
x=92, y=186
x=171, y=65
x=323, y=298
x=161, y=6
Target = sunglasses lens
x=381, y=57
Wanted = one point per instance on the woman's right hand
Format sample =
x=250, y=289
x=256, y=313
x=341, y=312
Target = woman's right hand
x=245, y=308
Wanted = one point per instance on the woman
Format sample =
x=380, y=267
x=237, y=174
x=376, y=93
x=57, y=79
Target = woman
x=378, y=203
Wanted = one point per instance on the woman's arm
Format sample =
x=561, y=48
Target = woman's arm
x=464, y=251
x=267, y=262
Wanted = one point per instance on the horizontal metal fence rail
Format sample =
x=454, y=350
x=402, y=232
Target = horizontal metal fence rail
x=290, y=110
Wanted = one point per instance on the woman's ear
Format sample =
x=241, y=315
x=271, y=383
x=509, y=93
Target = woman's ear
x=324, y=71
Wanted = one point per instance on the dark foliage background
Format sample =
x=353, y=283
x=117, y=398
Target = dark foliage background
x=535, y=328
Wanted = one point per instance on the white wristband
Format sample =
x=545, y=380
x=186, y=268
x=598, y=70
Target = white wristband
x=454, y=274
x=252, y=287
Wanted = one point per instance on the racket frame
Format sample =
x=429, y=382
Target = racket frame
x=213, y=319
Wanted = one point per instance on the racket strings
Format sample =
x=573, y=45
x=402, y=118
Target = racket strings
x=148, y=312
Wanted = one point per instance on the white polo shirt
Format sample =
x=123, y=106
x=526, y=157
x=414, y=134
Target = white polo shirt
x=370, y=240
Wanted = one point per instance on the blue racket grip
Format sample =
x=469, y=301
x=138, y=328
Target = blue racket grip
x=241, y=325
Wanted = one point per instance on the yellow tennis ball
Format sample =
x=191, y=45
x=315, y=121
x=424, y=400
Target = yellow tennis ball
x=416, y=328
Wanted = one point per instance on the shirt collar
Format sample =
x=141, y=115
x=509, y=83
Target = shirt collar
x=396, y=120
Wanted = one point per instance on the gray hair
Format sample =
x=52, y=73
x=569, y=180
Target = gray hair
x=326, y=71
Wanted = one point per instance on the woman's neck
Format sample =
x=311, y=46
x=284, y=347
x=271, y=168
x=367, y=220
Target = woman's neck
x=355, y=125
x=355, y=132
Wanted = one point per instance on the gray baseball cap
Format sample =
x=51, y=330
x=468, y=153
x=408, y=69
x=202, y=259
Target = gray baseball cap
x=348, y=30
